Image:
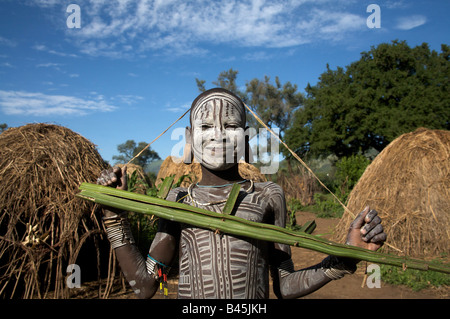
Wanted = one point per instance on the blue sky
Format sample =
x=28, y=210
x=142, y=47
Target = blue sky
x=129, y=71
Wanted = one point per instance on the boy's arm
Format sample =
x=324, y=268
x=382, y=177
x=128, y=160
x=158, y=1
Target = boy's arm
x=138, y=270
x=365, y=231
x=141, y=272
x=289, y=283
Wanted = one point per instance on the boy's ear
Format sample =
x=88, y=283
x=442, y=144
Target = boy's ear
x=187, y=135
x=187, y=154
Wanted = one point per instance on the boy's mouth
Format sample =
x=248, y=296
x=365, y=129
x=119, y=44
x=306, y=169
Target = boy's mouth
x=218, y=149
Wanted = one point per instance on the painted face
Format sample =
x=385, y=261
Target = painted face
x=218, y=139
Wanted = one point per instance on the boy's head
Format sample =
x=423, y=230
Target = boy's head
x=220, y=99
x=217, y=129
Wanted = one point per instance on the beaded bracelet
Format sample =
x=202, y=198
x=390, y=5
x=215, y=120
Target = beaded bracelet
x=159, y=272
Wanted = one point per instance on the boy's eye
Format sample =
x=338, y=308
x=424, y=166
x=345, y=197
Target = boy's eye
x=206, y=127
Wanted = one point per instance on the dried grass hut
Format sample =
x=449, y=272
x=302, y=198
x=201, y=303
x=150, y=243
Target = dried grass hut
x=177, y=167
x=43, y=226
x=408, y=183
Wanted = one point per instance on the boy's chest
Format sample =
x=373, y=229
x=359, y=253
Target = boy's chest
x=252, y=207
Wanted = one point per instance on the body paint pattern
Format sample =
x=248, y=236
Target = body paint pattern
x=214, y=265
x=218, y=123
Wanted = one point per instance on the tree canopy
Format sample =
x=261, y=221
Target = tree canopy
x=274, y=103
x=129, y=149
x=392, y=89
x=3, y=127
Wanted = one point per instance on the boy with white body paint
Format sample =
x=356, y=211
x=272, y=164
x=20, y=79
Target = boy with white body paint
x=216, y=265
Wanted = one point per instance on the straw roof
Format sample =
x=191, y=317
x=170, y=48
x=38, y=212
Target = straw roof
x=43, y=227
x=408, y=183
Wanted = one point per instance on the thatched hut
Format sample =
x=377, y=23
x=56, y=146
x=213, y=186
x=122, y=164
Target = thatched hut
x=175, y=166
x=43, y=226
x=408, y=183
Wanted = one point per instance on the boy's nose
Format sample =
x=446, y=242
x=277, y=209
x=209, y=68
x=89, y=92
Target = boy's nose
x=219, y=134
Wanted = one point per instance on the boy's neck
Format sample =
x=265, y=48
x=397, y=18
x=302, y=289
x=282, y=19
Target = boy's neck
x=210, y=177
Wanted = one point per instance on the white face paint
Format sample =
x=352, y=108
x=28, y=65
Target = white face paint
x=218, y=139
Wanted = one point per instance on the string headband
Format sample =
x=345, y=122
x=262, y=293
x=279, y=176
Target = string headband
x=218, y=95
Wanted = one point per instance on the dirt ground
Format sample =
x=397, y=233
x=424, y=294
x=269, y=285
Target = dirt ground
x=349, y=287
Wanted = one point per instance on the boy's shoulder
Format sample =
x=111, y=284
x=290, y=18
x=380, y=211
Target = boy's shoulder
x=268, y=187
x=176, y=193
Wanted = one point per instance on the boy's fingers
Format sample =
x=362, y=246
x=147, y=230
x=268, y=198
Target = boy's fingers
x=359, y=220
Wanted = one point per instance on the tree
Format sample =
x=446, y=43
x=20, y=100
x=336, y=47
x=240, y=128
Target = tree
x=275, y=104
x=225, y=80
x=3, y=127
x=391, y=90
x=129, y=149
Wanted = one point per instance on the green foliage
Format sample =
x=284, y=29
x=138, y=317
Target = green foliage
x=227, y=80
x=391, y=90
x=200, y=85
x=153, y=191
x=327, y=207
x=293, y=205
x=129, y=149
x=274, y=103
x=348, y=171
x=134, y=182
x=3, y=127
x=415, y=279
x=340, y=178
x=144, y=227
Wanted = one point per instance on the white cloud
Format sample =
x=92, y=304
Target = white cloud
x=6, y=42
x=42, y=47
x=48, y=65
x=40, y=104
x=395, y=4
x=128, y=98
x=183, y=107
x=6, y=65
x=46, y=3
x=125, y=28
x=257, y=56
x=343, y=22
x=408, y=23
